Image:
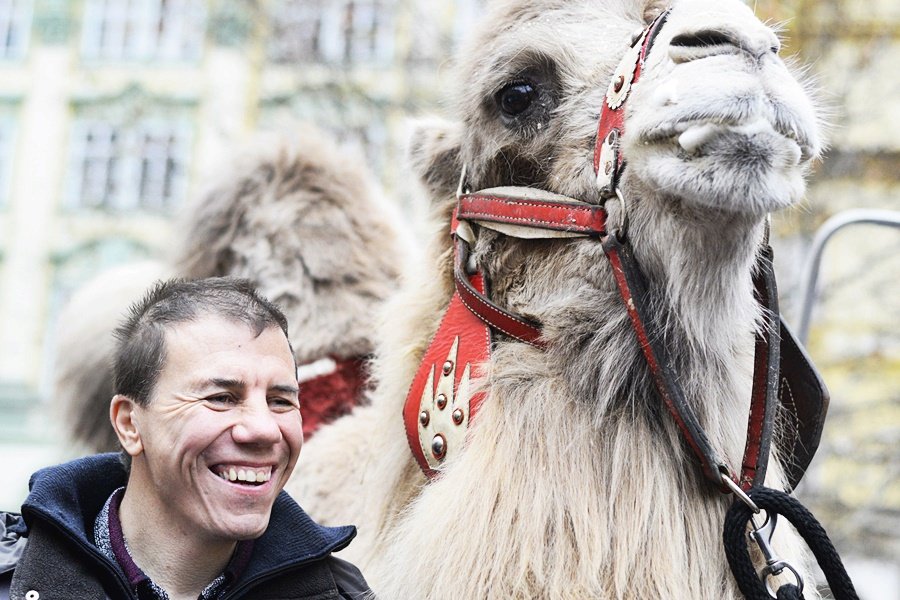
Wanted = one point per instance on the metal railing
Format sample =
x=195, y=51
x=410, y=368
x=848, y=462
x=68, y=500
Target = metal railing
x=843, y=219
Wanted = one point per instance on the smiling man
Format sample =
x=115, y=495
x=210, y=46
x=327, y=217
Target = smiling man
x=207, y=412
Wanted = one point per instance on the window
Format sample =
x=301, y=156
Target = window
x=15, y=27
x=7, y=132
x=369, y=30
x=344, y=114
x=295, y=31
x=333, y=31
x=143, y=29
x=372, y=139
x=121, y=168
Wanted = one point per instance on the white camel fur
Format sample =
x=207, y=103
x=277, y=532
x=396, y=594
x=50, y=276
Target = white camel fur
x=296, y=214
x=574, y=482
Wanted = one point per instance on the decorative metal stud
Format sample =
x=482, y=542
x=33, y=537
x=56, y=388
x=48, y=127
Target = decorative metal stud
x=439, y=446
x=442, y=401
x=458, y=416
x=448, y=366
x=424, y=418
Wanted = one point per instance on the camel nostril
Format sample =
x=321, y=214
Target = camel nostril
x=702, y=39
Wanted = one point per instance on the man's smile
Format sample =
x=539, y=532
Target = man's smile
x=243, y=474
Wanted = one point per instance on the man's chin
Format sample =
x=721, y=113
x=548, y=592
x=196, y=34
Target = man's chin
x=243, y=529
x=235, y=526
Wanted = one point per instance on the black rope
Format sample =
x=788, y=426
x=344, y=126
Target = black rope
x=734, y=537
x=789, y=591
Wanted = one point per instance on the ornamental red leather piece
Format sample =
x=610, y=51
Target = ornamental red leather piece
x=473, y=349
x=540, y=214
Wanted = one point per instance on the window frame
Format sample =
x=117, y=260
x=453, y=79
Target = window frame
x=124, y=163
x=15, y=29
x=142, y=30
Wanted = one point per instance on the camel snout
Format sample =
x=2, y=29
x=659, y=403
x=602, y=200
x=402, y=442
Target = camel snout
x=705, y=42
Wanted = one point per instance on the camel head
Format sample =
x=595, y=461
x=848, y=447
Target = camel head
x=718, y=132
x=717, y=121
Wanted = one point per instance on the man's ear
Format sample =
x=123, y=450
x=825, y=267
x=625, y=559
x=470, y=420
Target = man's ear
x=434, y=156
x=122, y=411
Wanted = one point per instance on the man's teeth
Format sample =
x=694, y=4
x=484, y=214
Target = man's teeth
x=245, y=474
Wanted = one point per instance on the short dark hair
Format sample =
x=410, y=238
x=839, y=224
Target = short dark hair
x=141, y=348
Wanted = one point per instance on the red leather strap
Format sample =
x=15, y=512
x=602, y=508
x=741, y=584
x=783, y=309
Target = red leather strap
x=504, y=321
x=556, y=216
x=613, y=119
x=610, y=120
x=764, y=398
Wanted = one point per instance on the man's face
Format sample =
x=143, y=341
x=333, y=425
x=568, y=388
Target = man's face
x=222, y=431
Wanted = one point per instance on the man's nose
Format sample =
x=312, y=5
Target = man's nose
x=256, y=424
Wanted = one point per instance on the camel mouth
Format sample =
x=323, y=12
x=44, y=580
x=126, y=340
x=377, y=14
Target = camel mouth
x=693, y=136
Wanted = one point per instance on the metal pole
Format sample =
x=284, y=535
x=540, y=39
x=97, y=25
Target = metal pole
x=868, y=216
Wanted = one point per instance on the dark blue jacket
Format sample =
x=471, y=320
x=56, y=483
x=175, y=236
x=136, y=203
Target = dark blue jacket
x=292, y=559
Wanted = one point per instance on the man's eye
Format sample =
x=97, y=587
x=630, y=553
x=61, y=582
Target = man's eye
x=283, y=403
x=220, y=398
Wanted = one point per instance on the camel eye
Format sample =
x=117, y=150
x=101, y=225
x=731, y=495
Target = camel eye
x=516, y=98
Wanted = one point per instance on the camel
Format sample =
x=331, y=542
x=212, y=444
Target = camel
x=300, y=217
x=572, y=481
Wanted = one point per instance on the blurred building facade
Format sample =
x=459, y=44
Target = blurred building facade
x=113, y=111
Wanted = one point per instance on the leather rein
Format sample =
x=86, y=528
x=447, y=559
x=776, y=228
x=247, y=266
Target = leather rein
x=439, y=405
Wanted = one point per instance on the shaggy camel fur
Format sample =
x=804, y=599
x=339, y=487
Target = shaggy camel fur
x=298, y=217
x=574, y=482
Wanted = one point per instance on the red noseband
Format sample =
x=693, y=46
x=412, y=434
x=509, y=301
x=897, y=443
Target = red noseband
x=608, y=158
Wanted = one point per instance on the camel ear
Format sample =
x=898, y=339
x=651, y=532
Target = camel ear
x=434, y=153
x=653, y=8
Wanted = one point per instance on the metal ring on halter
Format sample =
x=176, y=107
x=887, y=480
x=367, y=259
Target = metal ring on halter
x=739, y=493
x=770, y=571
